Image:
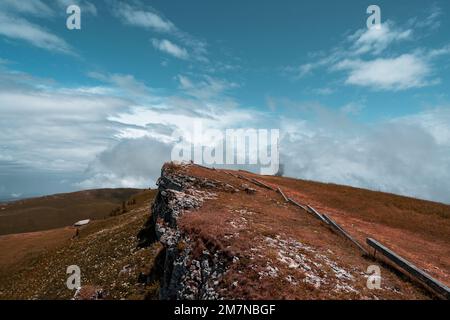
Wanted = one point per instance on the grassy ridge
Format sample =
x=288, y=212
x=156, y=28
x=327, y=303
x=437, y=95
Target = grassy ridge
x=60, y=210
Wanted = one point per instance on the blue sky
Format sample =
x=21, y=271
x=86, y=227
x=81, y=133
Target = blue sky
x=96, y=107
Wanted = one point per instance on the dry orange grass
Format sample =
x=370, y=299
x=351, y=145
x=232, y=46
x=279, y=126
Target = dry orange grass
x=238, y=224
x=418, y=230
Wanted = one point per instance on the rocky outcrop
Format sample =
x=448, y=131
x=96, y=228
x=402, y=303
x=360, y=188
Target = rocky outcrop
x=184, y=269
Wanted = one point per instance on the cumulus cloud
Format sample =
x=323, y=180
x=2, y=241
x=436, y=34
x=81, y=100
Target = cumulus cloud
x=48, y=127
x=54, y=128
x=170, y=48
x=105, y=139
x=408, y=155
x=131, y=162
x=403, y=72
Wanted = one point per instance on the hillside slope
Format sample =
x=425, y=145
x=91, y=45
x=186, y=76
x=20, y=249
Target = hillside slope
x=105, y=250
x=60, y=210
x=213, y=234
x=224, y=237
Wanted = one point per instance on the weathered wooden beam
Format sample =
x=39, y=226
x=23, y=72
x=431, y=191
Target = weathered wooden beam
x=413, y=271
x=297, y=204
x=254, y=181
x=262, y=184
x=232, y=174
x=282, y=193
x=342, y=232
x=244, y=178
x=316, y=214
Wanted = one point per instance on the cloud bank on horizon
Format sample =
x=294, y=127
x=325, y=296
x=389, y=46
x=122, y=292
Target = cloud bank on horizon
x=97, y=107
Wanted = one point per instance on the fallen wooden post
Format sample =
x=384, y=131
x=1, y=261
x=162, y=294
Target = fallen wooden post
x=254, y=181
x=244, y=178
x=297, y=204
x=316, y=214
x=262, y=184
x=413, y=271
x=341, y=231
x=282, y=193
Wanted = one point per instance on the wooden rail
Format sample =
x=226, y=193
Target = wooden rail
x=243, y=178
x=262, y=184
x=316, y=214
x=414, y=272
x=341, y=231
x=282, y=193
x=297, y=204
x=411, y=270
x=257, y=182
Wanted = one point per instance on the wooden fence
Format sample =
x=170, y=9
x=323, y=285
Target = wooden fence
x=407, y=267
x=411, y=269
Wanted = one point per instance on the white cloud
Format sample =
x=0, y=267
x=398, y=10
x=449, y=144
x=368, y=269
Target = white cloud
x=353, y=108
x=44, y=127
x=39, y=8
x=364, y=41
x=407, y=155
x=171, y=48
x=36, y=7
x=323, y=91
x=131, y=162
x=435, y=53
x=118, y=135
x=85, y=6
x=205, y=88
x=127, y=83
x=19, y=28
x=403, y=72
x=147, y=18
x=111, y=141
x=376, y=40
x=371, y=58
x=431, y=21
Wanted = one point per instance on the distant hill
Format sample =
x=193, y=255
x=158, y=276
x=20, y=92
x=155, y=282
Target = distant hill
x=60, y=210
x=33, y=265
